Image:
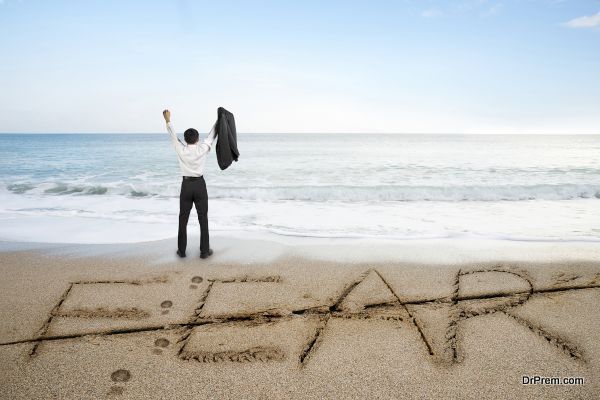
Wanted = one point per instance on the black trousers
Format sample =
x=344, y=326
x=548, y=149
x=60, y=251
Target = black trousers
x=193, y=192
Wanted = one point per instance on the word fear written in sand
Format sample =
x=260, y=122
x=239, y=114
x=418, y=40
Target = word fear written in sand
x=276, y=334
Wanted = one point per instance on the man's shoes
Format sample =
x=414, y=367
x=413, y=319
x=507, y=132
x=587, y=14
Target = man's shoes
x=206, y=254
x=180, y=254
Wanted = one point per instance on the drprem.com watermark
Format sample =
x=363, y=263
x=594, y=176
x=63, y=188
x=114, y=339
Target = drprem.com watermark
x=552, y=380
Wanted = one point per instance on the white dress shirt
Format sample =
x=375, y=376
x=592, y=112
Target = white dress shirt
x=191, y=156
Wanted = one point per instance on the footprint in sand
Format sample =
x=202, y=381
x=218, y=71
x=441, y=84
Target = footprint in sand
x=166, y=304
x=120, y=375
x=197, y=279
x=161, y=342
x=193, y=287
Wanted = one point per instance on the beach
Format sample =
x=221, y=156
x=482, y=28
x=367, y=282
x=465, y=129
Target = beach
x=406, y=266
x=279, y=317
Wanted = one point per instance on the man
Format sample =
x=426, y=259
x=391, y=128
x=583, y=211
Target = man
x=192, y=156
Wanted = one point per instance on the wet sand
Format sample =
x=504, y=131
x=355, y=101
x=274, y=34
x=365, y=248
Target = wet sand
x=309, y=319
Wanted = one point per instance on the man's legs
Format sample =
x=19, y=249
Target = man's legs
x=186, y=198
x=201, y=202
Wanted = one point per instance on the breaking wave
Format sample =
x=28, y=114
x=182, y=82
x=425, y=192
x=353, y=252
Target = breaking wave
x=342, y=193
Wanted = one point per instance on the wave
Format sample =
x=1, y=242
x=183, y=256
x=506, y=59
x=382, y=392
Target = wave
x=410, y=193
x=66, y=189
x=342, y=193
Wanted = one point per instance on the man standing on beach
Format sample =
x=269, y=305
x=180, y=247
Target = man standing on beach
x=192, y=155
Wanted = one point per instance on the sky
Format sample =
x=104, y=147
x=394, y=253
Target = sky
x=377, y=66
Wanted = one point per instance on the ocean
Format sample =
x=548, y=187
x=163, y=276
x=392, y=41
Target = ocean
x=105, y=188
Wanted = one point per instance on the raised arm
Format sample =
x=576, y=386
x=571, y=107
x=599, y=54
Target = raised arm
x=207, y=143
x=176, y=142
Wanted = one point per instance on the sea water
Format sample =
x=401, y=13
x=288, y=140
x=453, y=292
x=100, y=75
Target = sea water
x=103, y=188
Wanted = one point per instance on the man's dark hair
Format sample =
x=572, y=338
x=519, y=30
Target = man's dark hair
x=191, y=136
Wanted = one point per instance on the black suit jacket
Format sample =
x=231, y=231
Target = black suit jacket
x=226, y=148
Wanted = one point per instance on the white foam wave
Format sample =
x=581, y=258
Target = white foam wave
x=316, y=193
x=410, y=193
x=115, y=218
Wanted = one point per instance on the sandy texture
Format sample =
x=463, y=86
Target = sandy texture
x=126, y=325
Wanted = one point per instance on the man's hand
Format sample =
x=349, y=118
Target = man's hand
x=167, y=115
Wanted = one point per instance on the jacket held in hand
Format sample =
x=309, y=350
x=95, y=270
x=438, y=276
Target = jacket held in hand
x=226, y=148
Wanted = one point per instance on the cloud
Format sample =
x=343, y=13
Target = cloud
x=432, y=13
x=592, y=21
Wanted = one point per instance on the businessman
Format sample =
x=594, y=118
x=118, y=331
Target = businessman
x=192, y=155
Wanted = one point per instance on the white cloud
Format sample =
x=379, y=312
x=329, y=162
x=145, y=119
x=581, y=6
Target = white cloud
x=432, y=13
x=592, y=21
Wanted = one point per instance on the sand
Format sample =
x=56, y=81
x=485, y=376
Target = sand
x=299, y=319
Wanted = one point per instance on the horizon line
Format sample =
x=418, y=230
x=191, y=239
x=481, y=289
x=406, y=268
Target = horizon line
x=315, y=133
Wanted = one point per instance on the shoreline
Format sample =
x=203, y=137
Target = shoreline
x=243, y=247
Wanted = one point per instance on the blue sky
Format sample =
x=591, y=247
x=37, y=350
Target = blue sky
x=466, y=66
